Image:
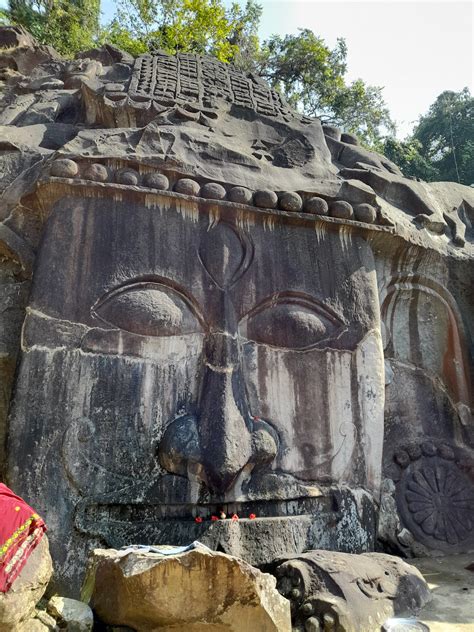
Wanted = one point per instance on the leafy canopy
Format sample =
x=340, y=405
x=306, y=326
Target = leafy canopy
x=407, y=155
x=67, y=25
x=312, y=78
x=186, y=26
x=446, y=134
x=442, y=144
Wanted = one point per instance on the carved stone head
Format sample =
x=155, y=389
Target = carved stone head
x=204, y=330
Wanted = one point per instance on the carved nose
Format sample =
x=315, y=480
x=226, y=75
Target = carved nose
x=224, y=437
x=224, y=418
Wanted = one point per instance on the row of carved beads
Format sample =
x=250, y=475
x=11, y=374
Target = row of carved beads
x=404, y=456
x=263, y=198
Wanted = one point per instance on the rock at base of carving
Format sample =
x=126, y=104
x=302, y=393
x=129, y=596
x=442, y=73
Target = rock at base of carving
x=18, y=604
x=343, y=592
x=41, y=622
x=34, y=625
x=196, y=590
x=72, y=614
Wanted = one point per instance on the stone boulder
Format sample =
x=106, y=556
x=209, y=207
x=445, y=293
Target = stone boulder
x=107, y=55
x=330, y=590
x=12, y=36
x=18, y=604
x=194, y=591
x=72, y=615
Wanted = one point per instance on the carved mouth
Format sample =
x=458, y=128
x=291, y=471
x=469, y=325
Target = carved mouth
x=119, y=524
x=134, y=513
x=139, y=512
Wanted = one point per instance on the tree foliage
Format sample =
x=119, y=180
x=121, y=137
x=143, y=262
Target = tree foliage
x=442, y=144
x=187, y=26
x=446, y=135
x=406, y=154
x=312, y=78
x=67, y=25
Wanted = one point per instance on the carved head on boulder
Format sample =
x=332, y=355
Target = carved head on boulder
x=204, y=327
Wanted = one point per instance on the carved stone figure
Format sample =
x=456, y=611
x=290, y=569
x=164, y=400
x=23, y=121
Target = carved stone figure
x=233, y=309
x=348, y=593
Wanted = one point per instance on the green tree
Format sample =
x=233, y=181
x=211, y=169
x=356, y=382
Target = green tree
x=446, y=136
x=312, y=78
x=245, y=35
x=197, y=26
x=407, y=155
x=67, y=25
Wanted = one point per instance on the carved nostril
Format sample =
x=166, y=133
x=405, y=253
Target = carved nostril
x=264, y=445
x=180, y=445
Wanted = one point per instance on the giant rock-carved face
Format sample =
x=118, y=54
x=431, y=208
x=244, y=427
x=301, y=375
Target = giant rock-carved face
x=177, y=357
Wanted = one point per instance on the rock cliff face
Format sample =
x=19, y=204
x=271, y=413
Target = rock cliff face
x=217, y=304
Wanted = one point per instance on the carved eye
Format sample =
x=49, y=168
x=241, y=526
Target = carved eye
x=148, y=309
x=290, y=323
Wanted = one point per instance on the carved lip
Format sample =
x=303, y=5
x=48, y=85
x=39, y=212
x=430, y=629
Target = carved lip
x=93, y=517
x=120, y=523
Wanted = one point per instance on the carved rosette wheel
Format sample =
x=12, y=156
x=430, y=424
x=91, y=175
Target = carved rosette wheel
x=435, y=497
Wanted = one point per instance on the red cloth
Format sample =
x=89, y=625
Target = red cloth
x=21, y=529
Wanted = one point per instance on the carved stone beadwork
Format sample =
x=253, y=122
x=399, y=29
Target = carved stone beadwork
x=288, y=201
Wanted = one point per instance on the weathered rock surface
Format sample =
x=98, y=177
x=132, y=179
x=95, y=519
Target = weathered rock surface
x=35, y=625
x=450, y=579
x=72, y=615
x=349, y=593
x=15, y=37
x=40, y=621
x=17, y=605
x=196, y=591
